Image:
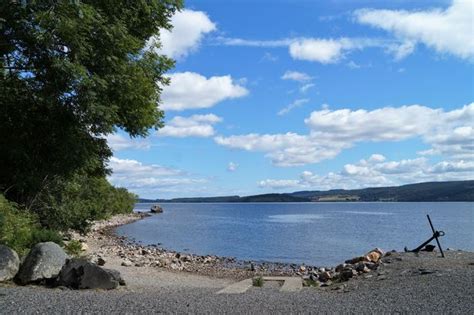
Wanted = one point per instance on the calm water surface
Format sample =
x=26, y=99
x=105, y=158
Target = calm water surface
x=311, y=233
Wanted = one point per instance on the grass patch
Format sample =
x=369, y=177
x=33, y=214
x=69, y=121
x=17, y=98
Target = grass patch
x=258, y=282
x=74, y=248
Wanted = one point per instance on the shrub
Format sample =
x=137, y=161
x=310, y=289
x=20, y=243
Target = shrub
x=74, y=248
x=257, y=282
x=20, y=230
x=75, y=203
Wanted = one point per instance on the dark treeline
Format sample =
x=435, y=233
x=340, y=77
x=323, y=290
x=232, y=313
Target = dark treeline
x=71, y=73
x=431, y=191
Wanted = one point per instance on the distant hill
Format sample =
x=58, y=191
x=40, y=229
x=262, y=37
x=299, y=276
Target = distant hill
x=430, y=191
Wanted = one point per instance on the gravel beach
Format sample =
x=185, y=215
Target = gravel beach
x=404, y=282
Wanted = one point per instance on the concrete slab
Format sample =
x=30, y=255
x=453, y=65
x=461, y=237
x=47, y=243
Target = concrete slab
x=238, y=287
x=290, y=284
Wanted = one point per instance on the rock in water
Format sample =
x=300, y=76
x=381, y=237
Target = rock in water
x=81, y=274
x=156, y=209
x=44, y=262
x=9, y=263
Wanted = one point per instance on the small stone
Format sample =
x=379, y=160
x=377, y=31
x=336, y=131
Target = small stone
x=340, y=267
x=381, y=278
x=360, y=266
x=302, y=268
x=424, y=271
x=100, y=261
x=127, y=263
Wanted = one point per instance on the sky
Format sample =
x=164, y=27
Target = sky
x=281, y=96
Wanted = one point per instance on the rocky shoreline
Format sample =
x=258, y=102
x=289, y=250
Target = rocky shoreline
x=104, y=243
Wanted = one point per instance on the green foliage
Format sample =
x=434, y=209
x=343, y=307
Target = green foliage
x=258, y=281
x=72, y=72
x=75, y=203
x=20, y=229
x=74, y=248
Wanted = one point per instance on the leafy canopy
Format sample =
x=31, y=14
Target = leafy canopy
x=72, y=72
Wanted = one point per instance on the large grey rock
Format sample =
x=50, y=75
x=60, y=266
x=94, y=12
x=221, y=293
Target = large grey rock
x=156, y=209
x=9, y=263
x=82, y=274
x=44, y=262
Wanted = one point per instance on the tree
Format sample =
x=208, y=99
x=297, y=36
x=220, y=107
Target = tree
x=71, y=73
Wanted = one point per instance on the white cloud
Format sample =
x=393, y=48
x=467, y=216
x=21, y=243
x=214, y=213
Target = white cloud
x=126, y=166
x=278, y=183
x=254, y=43
x=447, y=31
x=450, y=133
x=306, y=87
x=193, y=126
x=189, y=90
x=269, y=57
x=288, y=149
x=320, y=50
x=293, y=105
x=387, y=123
x=118, y=143
x=353, y=65
x=232, y=167
x=327, y=50
x=151, y=179
x=376, y=172
x=296, y=76
x=189, y=27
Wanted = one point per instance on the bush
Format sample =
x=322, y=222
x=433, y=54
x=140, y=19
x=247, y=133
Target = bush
x=74, y=248
x=20, y=230
x=75, y=203
x=258, y=282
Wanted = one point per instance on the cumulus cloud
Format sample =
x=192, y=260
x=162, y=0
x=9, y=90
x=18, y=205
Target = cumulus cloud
x=118, y=142
x=450, y=133
x=320, y=50
x=445, y=30
x=388, y=123
x=193, y=126
x=289, y=149
x=190, y=90
x=376, y=172
x=293, y=105
x=327, y=50
x=150, y=179
x=189, y=27
x=232, y=167
x=296, y=76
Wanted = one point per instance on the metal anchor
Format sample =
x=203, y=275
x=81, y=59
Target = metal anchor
x=435, y=236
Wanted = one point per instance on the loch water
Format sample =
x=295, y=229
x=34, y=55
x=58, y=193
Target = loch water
x=320, y=234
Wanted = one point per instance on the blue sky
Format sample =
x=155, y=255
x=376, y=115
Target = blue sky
x=280, y=96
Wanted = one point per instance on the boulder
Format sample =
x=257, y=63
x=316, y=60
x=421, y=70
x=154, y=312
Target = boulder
x=355, y=260
x=325, y=276
x=9, y=263
x=345, y=274
x=80, y=274
x=156, y=209
x=43, y=262
x=374, y=255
